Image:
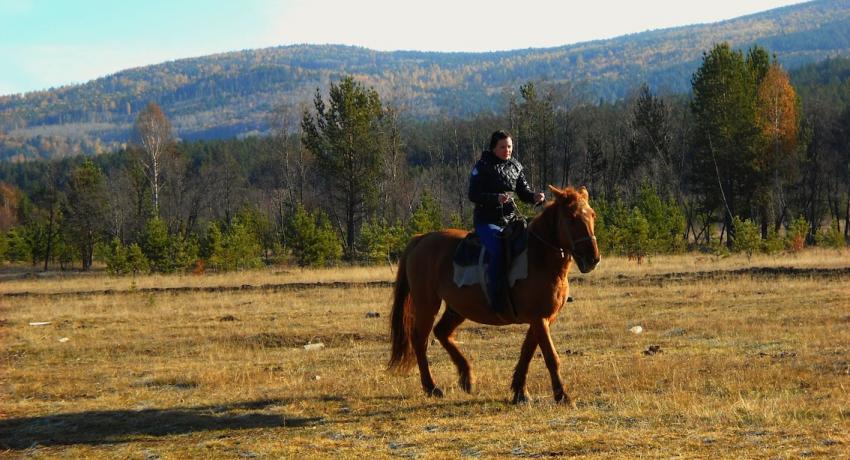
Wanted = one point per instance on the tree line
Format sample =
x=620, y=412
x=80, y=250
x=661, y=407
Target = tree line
x=744, y=163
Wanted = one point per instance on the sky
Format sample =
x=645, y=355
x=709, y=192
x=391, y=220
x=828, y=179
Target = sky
x=49, y=43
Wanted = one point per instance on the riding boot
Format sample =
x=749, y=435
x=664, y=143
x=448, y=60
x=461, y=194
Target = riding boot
x=496, y=290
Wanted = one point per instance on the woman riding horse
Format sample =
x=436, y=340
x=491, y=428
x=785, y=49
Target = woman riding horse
x=563, y=232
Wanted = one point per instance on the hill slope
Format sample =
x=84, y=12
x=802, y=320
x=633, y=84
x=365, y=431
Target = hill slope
x=233, y=93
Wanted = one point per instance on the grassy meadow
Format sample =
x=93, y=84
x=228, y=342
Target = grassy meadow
x=738, y=358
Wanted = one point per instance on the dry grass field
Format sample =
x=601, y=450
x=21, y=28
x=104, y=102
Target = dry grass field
x=737, y=359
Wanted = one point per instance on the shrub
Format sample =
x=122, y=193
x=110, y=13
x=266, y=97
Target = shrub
x=774, y=242
x=239, y=248
x=610, y=219
x=155, y=246
x=166, y=253
x=3, y=245
x=136, y=260
x=212, y=249
x=263, y=232
x=666, y=222
x=797, y=232
x=121, y=259
x=635, y=236
x=831, y=237
x=426, y=216
x=17, y=247
x=315, y=242
x=652, y=226
x=382, y=242
x=184, y=251
x=747, y=238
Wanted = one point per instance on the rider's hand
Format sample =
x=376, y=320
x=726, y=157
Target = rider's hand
x=539, y=197
x=504, y=198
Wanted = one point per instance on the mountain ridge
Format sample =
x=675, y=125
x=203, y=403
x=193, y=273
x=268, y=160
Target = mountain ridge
x=232, y=93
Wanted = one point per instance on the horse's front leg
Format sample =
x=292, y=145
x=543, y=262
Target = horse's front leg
x=553, y=363
x=521, y=370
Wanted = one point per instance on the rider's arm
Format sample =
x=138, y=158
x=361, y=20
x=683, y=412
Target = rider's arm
x=477, y=190
x=523, y=190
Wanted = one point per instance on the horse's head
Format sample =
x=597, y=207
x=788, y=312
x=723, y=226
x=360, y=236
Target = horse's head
x=575, y=221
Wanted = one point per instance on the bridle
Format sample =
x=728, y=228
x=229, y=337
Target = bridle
x=573, y=242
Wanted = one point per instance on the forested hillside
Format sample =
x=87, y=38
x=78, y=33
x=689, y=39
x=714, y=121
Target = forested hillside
x=753, y=157
x=234, y=94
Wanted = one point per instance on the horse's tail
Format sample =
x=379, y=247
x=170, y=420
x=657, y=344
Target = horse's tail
x=402, y=357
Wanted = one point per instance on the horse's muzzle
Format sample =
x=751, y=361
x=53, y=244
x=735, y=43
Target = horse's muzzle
x=587, y=264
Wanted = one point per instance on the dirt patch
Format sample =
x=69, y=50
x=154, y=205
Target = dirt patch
x=279, y=340
x=763, y=272
x=188, y=289
x=841, y=368
x=169, y=383
x=652, y=350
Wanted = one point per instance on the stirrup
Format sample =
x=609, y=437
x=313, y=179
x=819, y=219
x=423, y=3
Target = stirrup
x=509, y=315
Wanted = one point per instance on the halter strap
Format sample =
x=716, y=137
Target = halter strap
x=546, y=242
x=573, y=243
x=586, y=238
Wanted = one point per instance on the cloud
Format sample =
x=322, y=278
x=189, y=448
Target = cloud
x=452, y=25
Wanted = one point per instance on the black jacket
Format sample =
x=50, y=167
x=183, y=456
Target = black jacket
x=491, y=177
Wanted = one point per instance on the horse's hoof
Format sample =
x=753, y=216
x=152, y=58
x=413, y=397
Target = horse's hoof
x=563, y=398
x=466, y=384
x=522, y=398
x=435, y=392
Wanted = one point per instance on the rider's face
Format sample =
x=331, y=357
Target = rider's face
x=504, y=148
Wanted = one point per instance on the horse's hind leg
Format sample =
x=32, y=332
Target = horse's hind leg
x=422, y=329
x=445, y=333
x=521, y=369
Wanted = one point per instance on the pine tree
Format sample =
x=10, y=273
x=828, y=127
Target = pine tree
x=426, y=216
x=85, y=214
x=314, y=241
x=240, y=249
x=726, y=136
x=213, y=248
x=649, y=154
x=136, y=260
x=344, y=137
x=156, y=246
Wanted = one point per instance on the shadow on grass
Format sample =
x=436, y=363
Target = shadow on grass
x=117, y=426
x=120, y=426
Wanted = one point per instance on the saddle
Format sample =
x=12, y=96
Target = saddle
x=471, y=258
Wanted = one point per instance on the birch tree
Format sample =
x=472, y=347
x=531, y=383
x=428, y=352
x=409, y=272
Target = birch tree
x=153, y=133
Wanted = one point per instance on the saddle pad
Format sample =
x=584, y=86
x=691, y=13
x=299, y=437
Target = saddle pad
x=476, y=274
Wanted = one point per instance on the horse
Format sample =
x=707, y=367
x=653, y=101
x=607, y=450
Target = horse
x=561, y=233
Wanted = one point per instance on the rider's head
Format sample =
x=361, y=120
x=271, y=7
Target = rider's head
x=501, y=144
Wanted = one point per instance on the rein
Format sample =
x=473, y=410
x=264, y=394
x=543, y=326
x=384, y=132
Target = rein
x=546, y=242
x=573, y=242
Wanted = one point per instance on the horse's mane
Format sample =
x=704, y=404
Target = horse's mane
x=570, y=195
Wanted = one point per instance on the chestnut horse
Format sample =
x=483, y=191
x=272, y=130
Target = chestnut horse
x=559, y=234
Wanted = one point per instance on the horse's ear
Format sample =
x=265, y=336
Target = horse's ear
x=582, y=192
x=556, y=191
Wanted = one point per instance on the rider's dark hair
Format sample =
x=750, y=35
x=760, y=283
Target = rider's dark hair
x=496, y=137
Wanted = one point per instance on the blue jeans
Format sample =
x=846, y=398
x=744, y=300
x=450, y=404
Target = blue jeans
x=489, y=234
